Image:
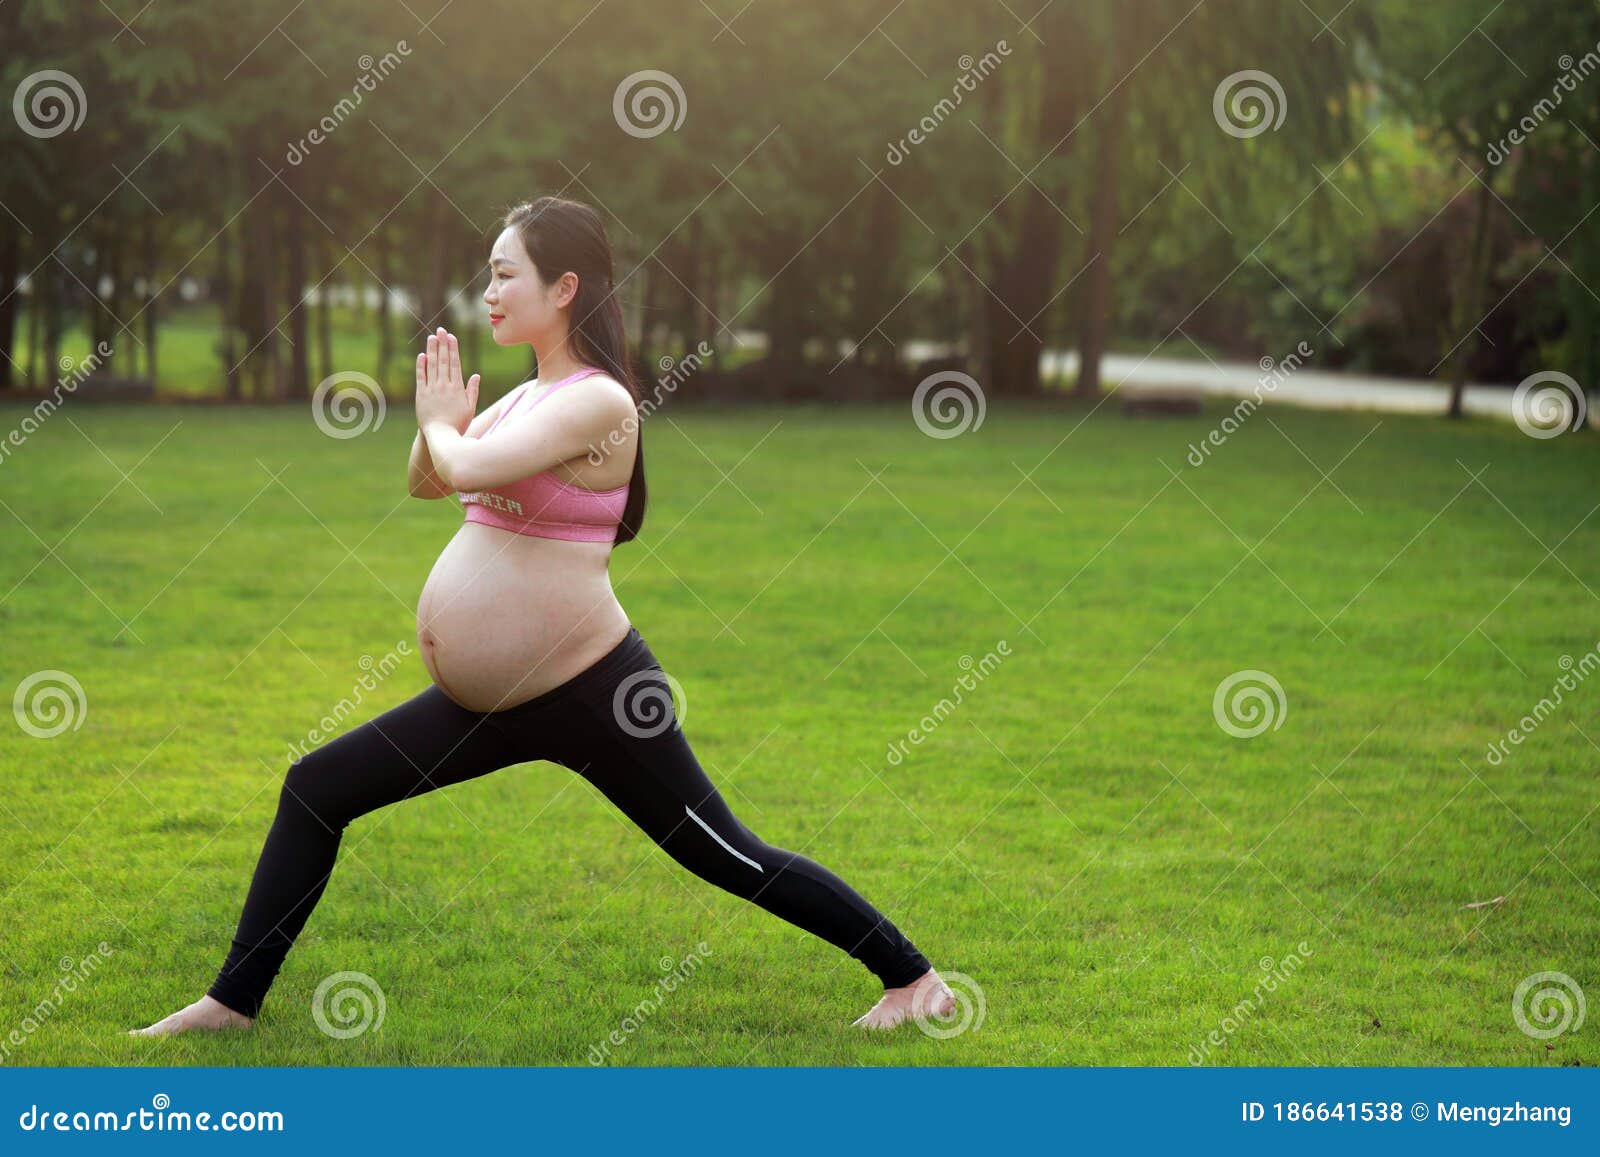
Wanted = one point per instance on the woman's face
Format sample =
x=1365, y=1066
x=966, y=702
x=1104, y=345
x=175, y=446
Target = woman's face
x=524, y=310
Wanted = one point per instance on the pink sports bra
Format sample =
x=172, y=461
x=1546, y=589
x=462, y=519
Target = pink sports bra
x=544, y=505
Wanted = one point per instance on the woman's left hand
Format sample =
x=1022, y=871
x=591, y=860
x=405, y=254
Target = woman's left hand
x=441, y=394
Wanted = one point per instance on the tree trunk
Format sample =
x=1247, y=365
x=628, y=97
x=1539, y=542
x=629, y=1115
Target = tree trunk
x=651, y=293
x=151, y=303
x=10, y=270
x=385, y=309
x=1470, y=299
x=436, y=279
x=298, y=383
x=263, y=337
x=1102, y=239
x=975, y=309
x=94, y=312
x=1026, y=255
x=36, y=326
x=875, y=288
x=227, y=314
x=1580, y=305
x=478, y=324
x=786, y=328
x=1021, y=288
x=53, y=309
x=325, y=295
x=702, y=324
x=124, y=347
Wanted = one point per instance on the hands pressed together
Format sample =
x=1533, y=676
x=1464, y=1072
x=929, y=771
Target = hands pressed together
x=441, y=394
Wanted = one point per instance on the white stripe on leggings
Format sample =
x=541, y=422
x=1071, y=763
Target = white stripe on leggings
x=690, y=812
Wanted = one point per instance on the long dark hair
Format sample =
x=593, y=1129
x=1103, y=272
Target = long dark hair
x=564, y=236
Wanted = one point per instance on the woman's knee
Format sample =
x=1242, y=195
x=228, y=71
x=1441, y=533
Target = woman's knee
x=312, y=788
x=734, y=861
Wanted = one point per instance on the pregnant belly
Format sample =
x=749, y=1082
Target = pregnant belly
x=504, y=617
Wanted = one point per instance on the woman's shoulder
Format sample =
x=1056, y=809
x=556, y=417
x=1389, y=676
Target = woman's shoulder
x=602, y=382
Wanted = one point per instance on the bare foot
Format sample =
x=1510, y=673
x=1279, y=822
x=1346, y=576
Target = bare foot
x=205, y=1013
x=926, y=996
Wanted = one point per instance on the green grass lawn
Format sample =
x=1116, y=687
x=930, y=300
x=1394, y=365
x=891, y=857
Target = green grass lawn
x=1080, y=837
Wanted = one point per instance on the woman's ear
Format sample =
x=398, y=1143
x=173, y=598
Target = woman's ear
x=566, y=289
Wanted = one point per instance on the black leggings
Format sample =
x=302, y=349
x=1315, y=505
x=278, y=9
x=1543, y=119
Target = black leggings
x=614, y=725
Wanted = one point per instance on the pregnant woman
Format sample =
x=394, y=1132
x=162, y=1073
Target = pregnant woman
x=531, y=655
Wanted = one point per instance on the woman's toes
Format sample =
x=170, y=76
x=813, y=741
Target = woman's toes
x=935, y=1000
x=884, y=1014
x=160, y=1028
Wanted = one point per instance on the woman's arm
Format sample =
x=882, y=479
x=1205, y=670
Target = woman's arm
x=422, y=479
x=570, y=426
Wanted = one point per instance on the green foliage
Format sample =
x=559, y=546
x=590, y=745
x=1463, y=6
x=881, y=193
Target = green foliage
x=775, y=205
